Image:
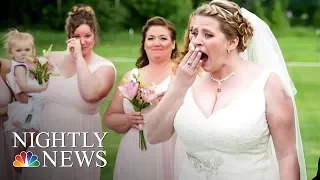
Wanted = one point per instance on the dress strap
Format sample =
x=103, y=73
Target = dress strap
x=10, y=77
x=99, y=64
x=16, y=63
x=263, y=78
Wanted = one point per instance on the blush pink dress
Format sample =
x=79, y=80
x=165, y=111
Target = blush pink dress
x=155, y=163
x=66, y=111
x=6, y=159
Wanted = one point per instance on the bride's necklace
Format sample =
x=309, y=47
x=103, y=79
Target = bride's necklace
x=219, y=81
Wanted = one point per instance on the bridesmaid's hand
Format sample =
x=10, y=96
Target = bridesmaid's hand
x=74, y=47
x=23, y=98
x=44, y=86
x=135, y=119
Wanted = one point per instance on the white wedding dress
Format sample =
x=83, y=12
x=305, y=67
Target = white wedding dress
x=231, y=144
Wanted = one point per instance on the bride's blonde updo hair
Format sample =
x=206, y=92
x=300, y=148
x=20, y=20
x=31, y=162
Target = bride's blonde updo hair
x=81, y=14
x=232, y=23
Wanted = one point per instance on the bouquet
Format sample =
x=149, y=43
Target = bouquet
x=40, y=67
x=140, y=96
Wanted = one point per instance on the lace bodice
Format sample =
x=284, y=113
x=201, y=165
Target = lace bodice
x=232, y=140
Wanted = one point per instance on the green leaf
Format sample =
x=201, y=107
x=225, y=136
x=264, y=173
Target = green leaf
x=32, y=72
x=46, y=52
x=136, y=102
x=136, y=105
x=136, y=108
x=135, y=76
x=146, y=105
x=28, y=119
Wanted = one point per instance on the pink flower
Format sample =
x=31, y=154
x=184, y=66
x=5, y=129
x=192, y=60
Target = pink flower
x=148, y=95
x=129, y=90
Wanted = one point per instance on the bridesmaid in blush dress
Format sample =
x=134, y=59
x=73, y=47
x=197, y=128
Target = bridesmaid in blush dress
x=6, y=169
x=155, y=65
x=73, y=99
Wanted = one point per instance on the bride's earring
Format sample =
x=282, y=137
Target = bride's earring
x=228, y=51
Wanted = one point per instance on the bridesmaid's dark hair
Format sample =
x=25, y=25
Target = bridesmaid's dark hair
x=81, y=14
x=156, y=21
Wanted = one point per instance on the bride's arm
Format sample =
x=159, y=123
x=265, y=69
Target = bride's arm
x=280, y=117
x=159, y=122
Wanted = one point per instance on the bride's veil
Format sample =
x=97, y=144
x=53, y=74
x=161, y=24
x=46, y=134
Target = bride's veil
x=265, y=50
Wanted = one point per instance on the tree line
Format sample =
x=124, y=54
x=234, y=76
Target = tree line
x=115, y=15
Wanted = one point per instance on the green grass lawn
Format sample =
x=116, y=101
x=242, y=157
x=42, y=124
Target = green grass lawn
x=308, y=103
x=300, y=46
x=297, y=44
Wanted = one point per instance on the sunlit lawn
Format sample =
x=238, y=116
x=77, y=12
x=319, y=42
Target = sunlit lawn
x=297, y=45
x=295, y=49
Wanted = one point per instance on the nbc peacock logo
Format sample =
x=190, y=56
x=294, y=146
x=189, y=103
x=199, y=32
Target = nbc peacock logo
x=26, y=159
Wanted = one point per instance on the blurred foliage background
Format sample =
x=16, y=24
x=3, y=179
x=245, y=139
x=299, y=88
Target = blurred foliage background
x=115, y=15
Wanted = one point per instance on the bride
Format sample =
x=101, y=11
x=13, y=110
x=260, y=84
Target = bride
x=238, y=120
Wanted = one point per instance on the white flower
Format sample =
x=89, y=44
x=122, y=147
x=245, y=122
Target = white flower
x=42, y=60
